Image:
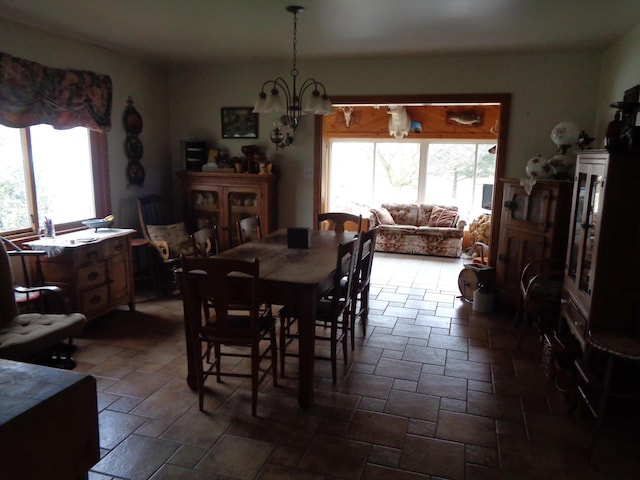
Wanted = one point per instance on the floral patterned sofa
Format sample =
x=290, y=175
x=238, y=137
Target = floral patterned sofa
x=418, y=229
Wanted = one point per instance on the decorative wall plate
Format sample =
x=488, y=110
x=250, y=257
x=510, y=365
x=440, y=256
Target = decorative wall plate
x=134, y=148
x=131, y=119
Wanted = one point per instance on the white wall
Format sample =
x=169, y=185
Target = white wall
x=185, y=103
x=147, y=85
x=545, y=88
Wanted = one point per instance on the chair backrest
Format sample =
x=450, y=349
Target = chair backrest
x=205, y=241
x=215, y=283
x=154, y=210
x=343, y=277
x=8, y=307
x=249, y=229
x=364, y=259
x=339, y=221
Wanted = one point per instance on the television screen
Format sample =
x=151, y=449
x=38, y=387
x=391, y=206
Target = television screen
x=487, y=196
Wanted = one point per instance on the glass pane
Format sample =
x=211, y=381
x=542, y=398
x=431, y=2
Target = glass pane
x=456, y=173
x=574, y=246
x=351, y=177
x=595, y=188
x=63, y=173
x=397, y=168
x=13, y=190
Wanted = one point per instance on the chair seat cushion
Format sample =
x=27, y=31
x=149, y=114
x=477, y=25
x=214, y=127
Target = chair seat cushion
x=176, y=237
x=29, y=334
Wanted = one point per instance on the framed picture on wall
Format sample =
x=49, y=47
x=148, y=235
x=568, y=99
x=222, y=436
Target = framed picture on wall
x=239, y=122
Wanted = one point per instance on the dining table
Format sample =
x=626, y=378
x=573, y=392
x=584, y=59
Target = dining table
x=297, y=277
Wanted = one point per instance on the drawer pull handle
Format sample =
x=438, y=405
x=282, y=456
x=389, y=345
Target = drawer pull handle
x=92, y=254
x=119, y=247
x=92, y=276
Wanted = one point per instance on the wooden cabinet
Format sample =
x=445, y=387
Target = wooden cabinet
x=601, y=283
x=224, y=198
x=533, y=226
x=94, y=269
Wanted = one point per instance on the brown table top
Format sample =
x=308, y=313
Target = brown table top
x=280, y=264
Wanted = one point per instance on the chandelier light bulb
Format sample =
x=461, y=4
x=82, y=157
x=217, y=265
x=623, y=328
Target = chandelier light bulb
x=277, y=96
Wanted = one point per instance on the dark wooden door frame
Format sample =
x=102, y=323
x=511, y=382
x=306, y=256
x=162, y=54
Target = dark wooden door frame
x=504, y=99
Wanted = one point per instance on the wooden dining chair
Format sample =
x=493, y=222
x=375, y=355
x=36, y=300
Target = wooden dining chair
x=339, y=221
x=249, y=229
x=359, y=307
x=540, y=295
x=332, y=311
x=205, y=241
x=211, y=286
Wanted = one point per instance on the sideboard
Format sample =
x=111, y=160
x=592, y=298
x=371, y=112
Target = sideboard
x=93, y=267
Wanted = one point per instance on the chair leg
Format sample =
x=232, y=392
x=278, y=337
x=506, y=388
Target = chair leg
x=255, y=372
x=334, y=351
x=346, y=326
x=353, y=313
x=603, y=403
x=274, y=356
x=364, y=309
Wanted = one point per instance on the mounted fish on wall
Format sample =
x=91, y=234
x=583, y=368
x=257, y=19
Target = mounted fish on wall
x=469, y=118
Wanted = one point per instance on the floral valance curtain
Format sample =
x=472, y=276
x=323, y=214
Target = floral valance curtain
x=31, y=94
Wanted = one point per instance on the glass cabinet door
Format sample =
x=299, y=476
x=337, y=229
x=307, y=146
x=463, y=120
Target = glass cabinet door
x=589, y=235
x=241, y=204
x=205, y=205
x=584, y=227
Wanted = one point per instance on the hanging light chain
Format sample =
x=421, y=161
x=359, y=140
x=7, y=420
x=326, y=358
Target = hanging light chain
x=294, y=70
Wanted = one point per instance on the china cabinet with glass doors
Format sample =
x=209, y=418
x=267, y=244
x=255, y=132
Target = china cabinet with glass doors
x=222, y=199
x=601, y=271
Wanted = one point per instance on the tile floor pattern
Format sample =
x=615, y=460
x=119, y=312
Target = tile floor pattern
x=434, y=391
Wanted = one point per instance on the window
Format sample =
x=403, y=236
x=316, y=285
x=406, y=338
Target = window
x=58, y=174
x=366, y=173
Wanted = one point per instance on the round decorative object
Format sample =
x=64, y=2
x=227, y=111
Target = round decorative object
x=132, y=119
x=135, y=173
x=133, y=147
x=538, y=167
x=467, y=283
x=565, y=133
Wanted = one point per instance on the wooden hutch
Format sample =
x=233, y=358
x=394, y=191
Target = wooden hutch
x=222, y=199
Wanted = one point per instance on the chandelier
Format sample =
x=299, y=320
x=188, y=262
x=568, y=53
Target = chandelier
x=276, y=96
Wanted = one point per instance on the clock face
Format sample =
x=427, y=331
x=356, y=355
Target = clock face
x=135, y=173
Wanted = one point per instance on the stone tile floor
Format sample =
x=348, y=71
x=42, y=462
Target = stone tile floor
x=434, y=391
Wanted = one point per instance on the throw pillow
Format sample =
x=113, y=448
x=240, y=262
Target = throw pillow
x=442, y=217
x=175, y=235
x=383, y=217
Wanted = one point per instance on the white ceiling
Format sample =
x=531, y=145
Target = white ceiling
x=176, y=32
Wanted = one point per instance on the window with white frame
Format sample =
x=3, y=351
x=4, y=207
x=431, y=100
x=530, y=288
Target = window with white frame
x=45, y=173
x=366, y=173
